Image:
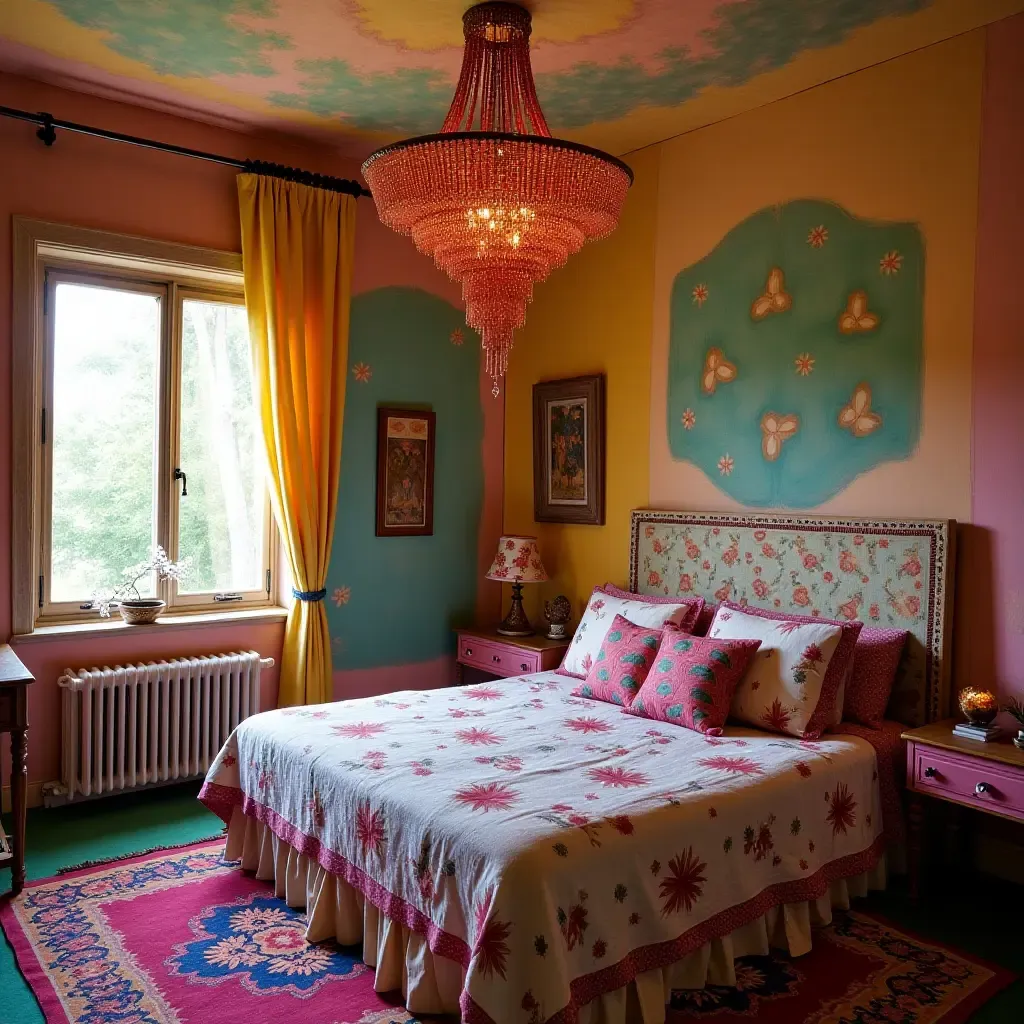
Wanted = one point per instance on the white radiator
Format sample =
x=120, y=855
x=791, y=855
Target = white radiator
x=142, y=725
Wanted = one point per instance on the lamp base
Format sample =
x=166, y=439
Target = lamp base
x=516, y=623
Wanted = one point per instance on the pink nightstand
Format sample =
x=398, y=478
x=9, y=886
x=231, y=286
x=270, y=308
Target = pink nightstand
x=987, y=777
x=504, y=656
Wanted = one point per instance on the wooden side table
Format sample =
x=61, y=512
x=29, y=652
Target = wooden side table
x=14, y=680
x=986, y=777
x=505, y=656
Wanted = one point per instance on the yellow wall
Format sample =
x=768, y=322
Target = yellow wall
x=592, y=316
x=895, y=142
x=898, y=141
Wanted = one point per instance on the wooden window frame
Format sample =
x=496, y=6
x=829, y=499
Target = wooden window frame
x=44, y=255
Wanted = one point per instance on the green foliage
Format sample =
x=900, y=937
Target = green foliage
x=105, y=440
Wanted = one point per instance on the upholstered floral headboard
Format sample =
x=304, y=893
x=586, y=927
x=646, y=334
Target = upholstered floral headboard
x=885, y=572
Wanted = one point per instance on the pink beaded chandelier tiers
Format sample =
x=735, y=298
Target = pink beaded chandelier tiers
x=493, y=197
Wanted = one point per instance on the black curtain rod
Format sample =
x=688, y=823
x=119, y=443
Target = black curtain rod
x=47, y=134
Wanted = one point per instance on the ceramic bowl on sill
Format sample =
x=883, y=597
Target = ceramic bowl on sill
x=141, y=612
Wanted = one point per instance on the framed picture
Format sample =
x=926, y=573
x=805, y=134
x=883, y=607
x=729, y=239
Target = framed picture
x=405, y=473
x=568, y=450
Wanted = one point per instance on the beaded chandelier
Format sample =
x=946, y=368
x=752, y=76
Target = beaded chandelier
x=493, y=197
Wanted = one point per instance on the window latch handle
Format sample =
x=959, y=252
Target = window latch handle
x=179, y=475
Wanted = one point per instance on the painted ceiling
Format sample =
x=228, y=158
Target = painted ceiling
x=618, y=74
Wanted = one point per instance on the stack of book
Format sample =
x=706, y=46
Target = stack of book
x=983, y=733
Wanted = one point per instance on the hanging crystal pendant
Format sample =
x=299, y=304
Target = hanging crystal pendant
x=493, y=197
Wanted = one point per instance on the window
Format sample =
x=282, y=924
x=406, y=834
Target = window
x=143, y=426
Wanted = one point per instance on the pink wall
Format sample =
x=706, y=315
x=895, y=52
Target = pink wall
x=991, y=575
x=98, y=184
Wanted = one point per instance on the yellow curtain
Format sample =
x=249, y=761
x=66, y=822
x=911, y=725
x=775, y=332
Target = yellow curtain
x=297, y=247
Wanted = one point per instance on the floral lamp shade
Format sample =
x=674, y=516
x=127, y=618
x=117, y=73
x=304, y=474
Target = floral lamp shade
x=517, y=561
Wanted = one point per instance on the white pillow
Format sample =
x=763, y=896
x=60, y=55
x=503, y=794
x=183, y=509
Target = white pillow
x=782, y=687
x=597, y=620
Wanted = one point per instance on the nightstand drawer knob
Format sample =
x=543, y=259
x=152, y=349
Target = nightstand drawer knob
x=930, y=772
x=495, y=657
x=982, y=788
x=468, y=652
x=524, y=666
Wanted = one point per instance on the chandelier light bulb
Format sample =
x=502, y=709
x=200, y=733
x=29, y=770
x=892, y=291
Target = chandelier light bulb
x=493, y=198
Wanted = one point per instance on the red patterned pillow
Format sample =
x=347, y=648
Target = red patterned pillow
x=704, y=620
x=626, y=655
x=692, y=681
x=829, y=710
x=875, y=660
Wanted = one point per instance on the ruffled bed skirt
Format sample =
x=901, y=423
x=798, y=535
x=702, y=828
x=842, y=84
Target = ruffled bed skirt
x=432, y=984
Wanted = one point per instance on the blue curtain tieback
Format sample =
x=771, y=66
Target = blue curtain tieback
x=309, y=595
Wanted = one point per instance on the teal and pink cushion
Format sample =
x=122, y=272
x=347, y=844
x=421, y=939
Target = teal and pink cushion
x=621, y=666
x=876, y=657
x=692, y=681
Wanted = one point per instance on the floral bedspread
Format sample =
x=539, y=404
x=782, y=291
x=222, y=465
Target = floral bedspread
x=552, y=845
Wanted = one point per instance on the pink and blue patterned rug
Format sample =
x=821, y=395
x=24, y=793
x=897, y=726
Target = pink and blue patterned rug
x=182, y=936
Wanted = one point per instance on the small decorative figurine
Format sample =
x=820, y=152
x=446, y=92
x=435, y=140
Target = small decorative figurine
x=557, y=613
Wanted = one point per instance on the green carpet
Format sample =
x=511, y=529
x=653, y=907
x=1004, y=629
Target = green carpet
x=991, y=927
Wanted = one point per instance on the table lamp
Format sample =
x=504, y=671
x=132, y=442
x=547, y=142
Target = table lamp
x=517, y=562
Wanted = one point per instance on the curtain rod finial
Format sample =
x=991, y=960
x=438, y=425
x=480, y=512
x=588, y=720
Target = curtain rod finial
x=47, y=134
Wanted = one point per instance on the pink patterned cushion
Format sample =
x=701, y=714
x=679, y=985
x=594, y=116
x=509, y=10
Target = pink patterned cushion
x=704, y=620
x=626, y=655
x=692, y=681
x=827, y=712
x=875, y=660
x=687, y=622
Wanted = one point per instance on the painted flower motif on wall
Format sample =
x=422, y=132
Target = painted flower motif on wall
x=362, y=372
x=890, y=263
x=457, y=337
x=341, y=595
x=689, y=419
x=817, y=237
x=779, y=335
x=700, y=294
x=726, y=464
x=804, y=364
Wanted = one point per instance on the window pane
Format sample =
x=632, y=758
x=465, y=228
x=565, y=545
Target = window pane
x=105, y=371
x=220, y=522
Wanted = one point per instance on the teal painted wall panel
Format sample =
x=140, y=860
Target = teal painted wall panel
x=403, y=593
x=821, y=457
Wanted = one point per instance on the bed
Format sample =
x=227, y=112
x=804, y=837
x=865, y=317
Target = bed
x=512, y=852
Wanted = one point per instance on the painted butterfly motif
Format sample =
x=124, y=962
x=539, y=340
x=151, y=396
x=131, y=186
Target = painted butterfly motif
x=857, y=318
x=857, y=416
x=717, y=369
x=775, y=298
x=776, y=428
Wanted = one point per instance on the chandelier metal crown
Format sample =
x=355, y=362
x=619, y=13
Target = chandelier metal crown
x=493, y=197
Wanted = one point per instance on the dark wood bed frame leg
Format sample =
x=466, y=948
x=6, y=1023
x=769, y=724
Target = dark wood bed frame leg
x=914, y=843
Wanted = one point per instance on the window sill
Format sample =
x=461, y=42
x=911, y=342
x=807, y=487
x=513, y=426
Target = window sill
x=166, y=624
